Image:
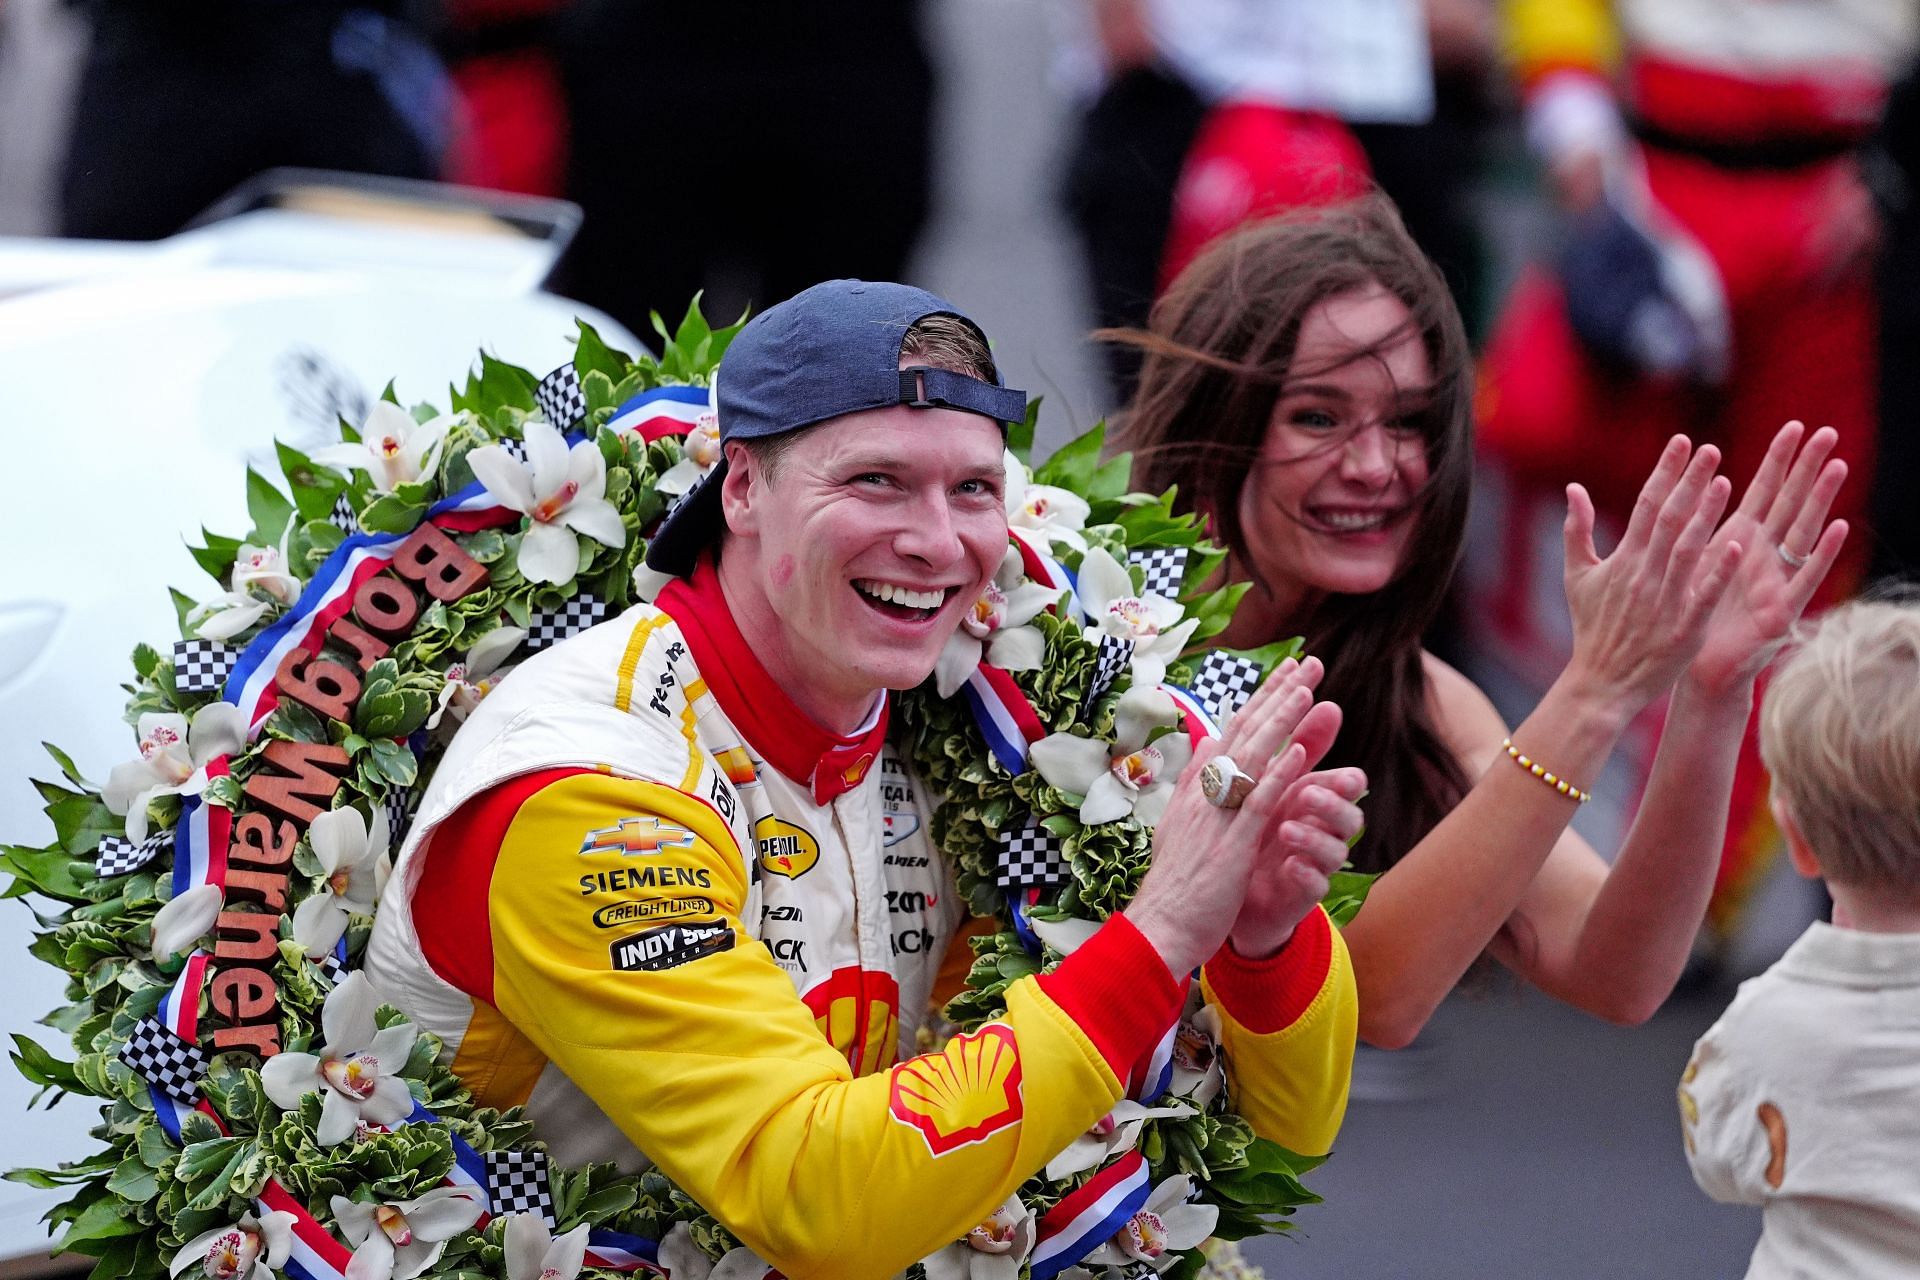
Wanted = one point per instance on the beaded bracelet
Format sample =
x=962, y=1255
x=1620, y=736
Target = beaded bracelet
x=1539, y=771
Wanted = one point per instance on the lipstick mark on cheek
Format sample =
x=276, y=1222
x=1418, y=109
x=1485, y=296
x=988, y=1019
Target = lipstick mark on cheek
x=783, y=571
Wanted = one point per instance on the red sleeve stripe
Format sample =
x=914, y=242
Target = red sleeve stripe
x=456, y=877
x=1118, y=989
x=1270, y=995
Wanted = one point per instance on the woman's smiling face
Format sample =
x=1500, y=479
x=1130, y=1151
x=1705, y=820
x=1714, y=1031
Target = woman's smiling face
x=1333, y=497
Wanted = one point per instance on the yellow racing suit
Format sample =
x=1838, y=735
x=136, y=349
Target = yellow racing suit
x=645, y=888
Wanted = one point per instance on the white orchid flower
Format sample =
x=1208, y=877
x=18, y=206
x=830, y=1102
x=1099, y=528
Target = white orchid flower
x=994, y=1250
x=265, y=570
x=173, y=759
x=261, y=578
x=1165, y=1226
x=741, y=1264
x=1056, y=515
x=353, y=853
x=996, y=627
x=535, y=1254
x=561, y=491
x=250, y=1249
x=357, y=1068
x=1126, y=776
x=682, y=1259
x=1112, y=1134
x=398, y=1241
x=700, y=451
x=1197, y=1071
x=393, y=449
x=1065, y=936
x=1152, y=622
x=473, y=679
x=226, y=615
x=649, y=582
x=185, y=919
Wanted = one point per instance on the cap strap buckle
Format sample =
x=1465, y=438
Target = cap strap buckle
x=926, y=387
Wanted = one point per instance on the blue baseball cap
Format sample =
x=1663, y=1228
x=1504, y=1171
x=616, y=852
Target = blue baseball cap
x=827, y=351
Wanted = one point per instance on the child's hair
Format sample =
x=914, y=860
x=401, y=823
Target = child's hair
x=1840, y=732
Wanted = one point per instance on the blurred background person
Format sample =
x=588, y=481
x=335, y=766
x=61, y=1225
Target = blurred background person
x=1204, y=114
x=512, y=131
x=743, y=149
x=179, y=103
x=1715, y=274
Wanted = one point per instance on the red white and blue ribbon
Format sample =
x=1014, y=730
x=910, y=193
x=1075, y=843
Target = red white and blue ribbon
x=179, y=1012
x=250, y=685
x=1091, y=1215
x=1199, y=722
x=1153, y=1074
x=1007, y=720
x=200, y=841
x=1019, y=900
x=663, y=411
x=315, y=1255
x=469, y=1172
x=1040, y=565
x=618, y=1251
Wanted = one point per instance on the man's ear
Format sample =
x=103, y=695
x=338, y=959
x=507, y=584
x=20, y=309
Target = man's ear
x=1797, y=851
x=740, y=488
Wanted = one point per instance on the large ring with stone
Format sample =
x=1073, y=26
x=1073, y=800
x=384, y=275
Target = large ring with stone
x=1792, y=561
x=1224, y=783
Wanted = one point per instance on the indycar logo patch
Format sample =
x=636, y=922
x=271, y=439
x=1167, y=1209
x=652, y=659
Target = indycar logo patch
x=637, y=836
x=962, y=1095
x=670, y=946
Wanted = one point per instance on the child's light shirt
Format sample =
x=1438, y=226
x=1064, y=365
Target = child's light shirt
x=1805, y=1098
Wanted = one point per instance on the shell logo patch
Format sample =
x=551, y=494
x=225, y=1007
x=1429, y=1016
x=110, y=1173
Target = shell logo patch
x=858, y=1011
x=785, y=849
x=962, y=1095
x=854, y=772
x=641, y=835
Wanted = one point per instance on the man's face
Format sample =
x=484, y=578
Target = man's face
x=877, y=531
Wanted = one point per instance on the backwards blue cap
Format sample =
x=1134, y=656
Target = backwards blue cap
x=830, y=350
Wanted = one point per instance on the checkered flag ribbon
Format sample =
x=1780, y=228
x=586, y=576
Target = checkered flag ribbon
x=1115, y=653
x=1224, y=683
x=561, y=401
x=119, y=855
x=515, y=449
x=576, y=615
x=1165, y=570
x=201, y=666
x=331, y=965
x=1030, y=855
x=343, y=516
x=399, y=802
x=164, y=1060
x=517, y=1181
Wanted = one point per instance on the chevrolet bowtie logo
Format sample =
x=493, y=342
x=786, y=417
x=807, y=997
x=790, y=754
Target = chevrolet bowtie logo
x=637, y=836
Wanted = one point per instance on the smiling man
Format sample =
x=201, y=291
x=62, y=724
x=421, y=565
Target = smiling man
x=673, y=890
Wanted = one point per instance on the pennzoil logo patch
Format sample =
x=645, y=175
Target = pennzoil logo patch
x=962, y=1095
x=785, y=849
x=670, y=946
x=637, y=837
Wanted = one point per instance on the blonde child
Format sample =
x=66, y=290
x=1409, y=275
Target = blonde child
x=1805, y=1097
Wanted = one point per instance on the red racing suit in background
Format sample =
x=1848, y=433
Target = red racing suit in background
x=1736, y=121
x=650, y=900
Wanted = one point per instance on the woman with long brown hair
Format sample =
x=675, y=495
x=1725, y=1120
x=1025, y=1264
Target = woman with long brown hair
x=1308, y=388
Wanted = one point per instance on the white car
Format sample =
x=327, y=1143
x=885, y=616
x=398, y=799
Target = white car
x=137, y=384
